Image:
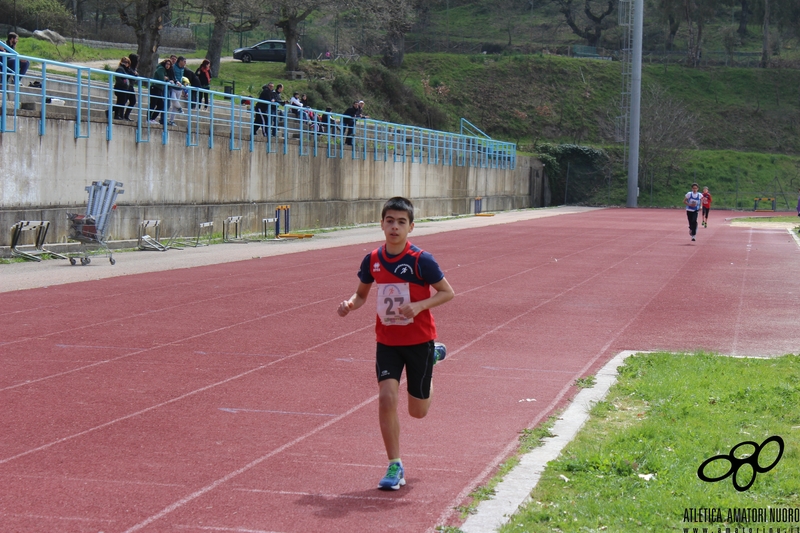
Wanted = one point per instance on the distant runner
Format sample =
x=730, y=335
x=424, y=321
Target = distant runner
x=706, y=206
x=692, y=200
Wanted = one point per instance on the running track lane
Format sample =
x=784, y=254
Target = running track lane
x=232, y=398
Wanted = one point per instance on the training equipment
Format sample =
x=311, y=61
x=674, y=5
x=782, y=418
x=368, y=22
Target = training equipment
x=91, y=229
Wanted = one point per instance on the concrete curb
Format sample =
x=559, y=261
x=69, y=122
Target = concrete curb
x=514, y=491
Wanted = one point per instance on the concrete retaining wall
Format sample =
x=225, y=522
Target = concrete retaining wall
x=43, y=178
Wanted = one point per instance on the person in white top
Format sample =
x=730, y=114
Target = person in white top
x=693, y=201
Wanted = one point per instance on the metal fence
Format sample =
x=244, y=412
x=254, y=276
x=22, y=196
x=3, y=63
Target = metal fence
x=89, y=95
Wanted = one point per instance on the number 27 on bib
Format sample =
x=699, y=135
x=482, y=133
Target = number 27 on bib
x=390, y=297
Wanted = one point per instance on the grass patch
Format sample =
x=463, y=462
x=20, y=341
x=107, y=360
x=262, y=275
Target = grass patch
x=789, y=220
x=633, y=467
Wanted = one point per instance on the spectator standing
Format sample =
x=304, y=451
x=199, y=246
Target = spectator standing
x=262, y=108
x=11, y=62
x=706, y=206
x=158, y=98
x=134, y=68
x=178, y=66
x=692, y=201
x=126, y=100
x=274, y=109
x=204, y=75
x=349, y=122
x=192, y=80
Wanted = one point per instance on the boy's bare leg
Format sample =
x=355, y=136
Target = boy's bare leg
x=419, y=408
x=387, y=415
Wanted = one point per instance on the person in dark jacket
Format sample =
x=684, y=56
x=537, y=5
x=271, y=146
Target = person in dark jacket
x=134, y=67
x=194, y=81
x=158, y=102
x=204, y=75
x=349, y=122
x=262, y=110
x=126, y=100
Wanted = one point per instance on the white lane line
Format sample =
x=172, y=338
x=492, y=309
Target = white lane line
x=333, y=496
x=159, y=346
x=235, y=410
x=176, y=399
x=252, y=464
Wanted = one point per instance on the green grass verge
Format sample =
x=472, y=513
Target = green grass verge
x=633, y=467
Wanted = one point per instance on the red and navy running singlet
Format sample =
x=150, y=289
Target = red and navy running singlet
x=419, y=270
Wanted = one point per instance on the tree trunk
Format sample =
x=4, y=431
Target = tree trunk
x=291, y=35
x=146, y=23
x=221, y=11
x=744, y=18
x=674, y=25
x=765, y=41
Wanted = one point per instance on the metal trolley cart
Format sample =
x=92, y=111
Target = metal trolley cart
x=91, y=229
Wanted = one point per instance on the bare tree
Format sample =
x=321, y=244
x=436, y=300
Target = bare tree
x=390, y=20
x=667, y=130
x=145, y=17
x=222, y=10
x=287, y=15
x=594, y=24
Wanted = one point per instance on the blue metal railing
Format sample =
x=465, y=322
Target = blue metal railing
x=90, y=94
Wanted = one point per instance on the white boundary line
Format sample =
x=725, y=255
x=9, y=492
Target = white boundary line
x=515, y=489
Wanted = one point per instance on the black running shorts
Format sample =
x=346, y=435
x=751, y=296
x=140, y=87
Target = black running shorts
x=417, y=360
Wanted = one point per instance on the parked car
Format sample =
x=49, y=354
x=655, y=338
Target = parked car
x=272, y=50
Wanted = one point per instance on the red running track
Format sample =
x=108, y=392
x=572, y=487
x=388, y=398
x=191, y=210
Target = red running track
x=233, y=398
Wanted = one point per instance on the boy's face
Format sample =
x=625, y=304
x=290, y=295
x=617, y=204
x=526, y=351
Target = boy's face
x=694, y=188
x=396, y=227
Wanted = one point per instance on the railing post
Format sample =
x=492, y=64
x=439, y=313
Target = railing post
x=43, y=103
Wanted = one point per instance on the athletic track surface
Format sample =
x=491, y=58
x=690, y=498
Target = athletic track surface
x=232, y=398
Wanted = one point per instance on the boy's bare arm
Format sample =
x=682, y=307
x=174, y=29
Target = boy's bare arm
x=356, y=300
x=444, y=293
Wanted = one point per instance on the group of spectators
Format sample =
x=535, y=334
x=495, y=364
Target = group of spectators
x=271, y=96
x=165, y=101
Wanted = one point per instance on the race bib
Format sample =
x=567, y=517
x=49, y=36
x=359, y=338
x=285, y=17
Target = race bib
x=390, y=297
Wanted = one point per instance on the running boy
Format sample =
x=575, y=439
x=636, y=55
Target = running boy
x=692, y=200
x=404, y=325
x=706, y=206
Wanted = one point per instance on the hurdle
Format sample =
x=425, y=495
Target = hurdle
x=235, y=222
x=267, y=223
x=203, y=226
x=146, y=242
x=41, y=227
x=765, y=199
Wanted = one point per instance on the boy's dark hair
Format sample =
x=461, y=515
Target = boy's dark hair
x=695, y=185
x=12, y=34
x=398, y=203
